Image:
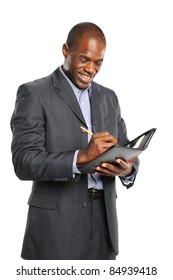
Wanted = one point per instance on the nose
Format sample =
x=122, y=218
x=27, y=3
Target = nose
x=90, y=67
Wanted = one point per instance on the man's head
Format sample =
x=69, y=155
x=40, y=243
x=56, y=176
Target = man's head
x=83, y=52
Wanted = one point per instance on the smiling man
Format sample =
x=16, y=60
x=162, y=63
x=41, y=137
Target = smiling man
x=71, y=215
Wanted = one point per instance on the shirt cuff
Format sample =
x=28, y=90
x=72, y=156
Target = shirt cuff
x=129, y=180
x=75, y=169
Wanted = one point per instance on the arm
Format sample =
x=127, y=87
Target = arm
x=30, y=158
x=102, y=141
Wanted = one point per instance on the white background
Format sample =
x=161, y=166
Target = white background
x=139, y=67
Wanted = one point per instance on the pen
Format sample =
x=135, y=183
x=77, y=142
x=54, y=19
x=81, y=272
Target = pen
x=86, y=130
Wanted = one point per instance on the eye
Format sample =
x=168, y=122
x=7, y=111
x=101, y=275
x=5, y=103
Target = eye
x=83, y=60
x=99, y=63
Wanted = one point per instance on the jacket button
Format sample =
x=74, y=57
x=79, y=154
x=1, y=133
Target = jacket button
x=84, y=204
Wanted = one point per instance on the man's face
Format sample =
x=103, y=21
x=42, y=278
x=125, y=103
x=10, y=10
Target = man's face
x=84, y=62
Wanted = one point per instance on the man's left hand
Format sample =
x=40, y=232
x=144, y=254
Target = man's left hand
x=120, y=168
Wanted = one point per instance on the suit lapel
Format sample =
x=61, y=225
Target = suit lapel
x=65, y=92
x=96, y=100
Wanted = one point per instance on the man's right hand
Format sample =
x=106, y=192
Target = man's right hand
x=99, y=143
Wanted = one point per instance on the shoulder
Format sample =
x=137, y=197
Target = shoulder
x=38, y=84
x=39, y=90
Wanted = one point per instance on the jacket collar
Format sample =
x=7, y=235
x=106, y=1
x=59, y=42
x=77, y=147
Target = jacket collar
x=65, y=92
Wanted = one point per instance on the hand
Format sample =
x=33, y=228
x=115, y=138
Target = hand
x=120, y=168
x=98, y=144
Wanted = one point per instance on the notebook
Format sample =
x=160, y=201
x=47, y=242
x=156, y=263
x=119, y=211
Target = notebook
x=131, y=149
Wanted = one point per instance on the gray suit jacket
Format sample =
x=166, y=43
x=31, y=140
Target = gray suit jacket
x=46, y=133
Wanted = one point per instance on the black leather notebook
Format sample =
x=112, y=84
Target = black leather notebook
x=125, y=152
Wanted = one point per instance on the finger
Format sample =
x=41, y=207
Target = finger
x=112, y=170
x=104, y=171
x=109, y=168
x=123, y=164
x=132, y=160
x=104, y=137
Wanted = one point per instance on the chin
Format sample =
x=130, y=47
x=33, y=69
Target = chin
x=82, y=86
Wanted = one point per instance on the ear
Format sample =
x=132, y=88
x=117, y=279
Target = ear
x=65, y=50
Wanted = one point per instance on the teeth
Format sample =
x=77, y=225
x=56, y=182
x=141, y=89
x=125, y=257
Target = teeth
x=85, y=78
x=85, y=75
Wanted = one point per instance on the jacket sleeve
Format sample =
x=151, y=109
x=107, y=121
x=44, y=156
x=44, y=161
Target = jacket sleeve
x=30, y=159
x=129, y=180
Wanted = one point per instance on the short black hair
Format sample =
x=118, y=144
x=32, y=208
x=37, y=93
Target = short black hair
x=80, y=30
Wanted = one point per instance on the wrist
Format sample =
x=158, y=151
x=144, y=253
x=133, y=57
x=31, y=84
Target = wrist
x=82, y=157
x=126, y=173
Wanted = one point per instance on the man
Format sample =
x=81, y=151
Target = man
x=71, y=215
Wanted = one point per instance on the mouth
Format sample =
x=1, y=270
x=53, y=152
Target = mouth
x=85, y=78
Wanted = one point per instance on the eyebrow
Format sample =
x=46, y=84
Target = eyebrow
x=87, y=58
